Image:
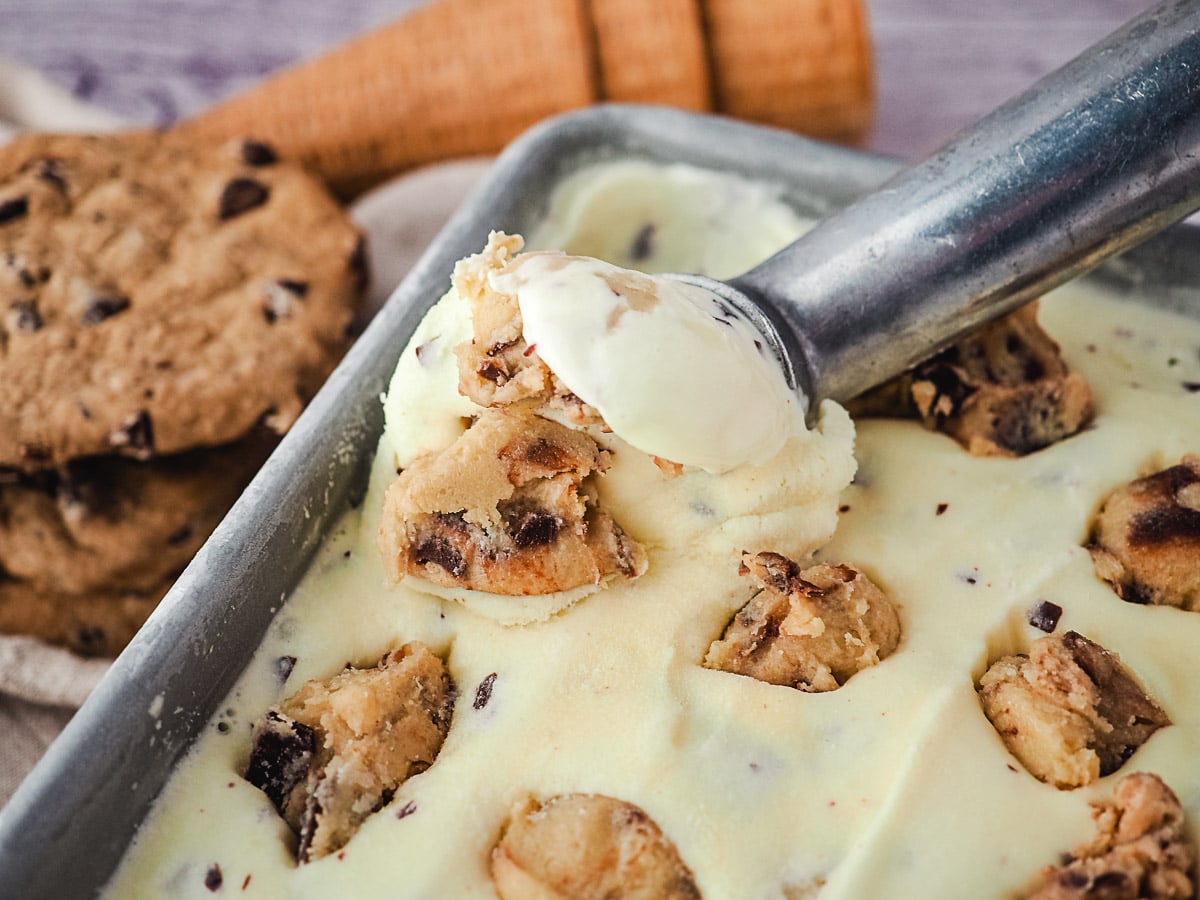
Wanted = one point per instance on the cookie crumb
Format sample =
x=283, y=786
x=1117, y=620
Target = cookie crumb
x=810, y=630
x=1145, y=540
x=507, y=508
x=335, y=751
x=1069, y=711
x=587, y=847
x=1139, y=850
x=1003, y=390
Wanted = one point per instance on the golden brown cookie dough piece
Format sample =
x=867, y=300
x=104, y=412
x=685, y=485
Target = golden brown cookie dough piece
x=496, y=367
x=1145, y=541
x=587, y=847
x=1004, y=390
x=1069, y=711
x=336, y=751
x=158, y=295
x=1139, y=851
x=506, y=509
x=811, y=629
x=99, y=623
x=111, y=523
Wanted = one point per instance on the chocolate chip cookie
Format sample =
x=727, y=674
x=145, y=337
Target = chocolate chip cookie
x=157, y=295
x=96, y=624
x=108, y=521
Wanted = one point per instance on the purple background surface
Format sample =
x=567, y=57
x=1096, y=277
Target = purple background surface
x=940, y=63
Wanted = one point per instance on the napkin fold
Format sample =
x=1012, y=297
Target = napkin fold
x=40, y=685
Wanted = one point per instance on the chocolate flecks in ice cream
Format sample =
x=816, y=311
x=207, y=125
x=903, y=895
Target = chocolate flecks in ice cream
x=1069, y=711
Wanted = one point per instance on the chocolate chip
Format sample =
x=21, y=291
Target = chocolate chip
x=535, y=529
x=483, y=693
x=27, y=316
x=34, y=452
x=104, y=307
x=13, y=209
x=179, y=535
x=283, y=668
x=941, y=508
x=256, y=153
x=1163, y=526
x=357, y=264
x=241, y=195
x=490, y=371
x=547, y=455
x=280, y=757
x=643, y=243
x=50, y=170
x=1191, y=386
x=137, y=433
x=441, y=553
x=213, y=878
x=1073, y=879
x=1044, y=616
x=90, y=640
x=407, y=809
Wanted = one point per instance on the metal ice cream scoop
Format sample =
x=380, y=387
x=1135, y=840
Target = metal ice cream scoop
x=1091, y=160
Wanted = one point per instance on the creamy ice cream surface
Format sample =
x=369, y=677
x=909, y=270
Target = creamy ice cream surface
x=892, y=785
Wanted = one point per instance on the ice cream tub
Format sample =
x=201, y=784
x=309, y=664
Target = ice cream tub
x=64, y=832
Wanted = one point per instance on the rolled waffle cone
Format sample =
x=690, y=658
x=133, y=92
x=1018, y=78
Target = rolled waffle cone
x=799, y=64
x=454, y=78
x=651, y=52
x=463, y=77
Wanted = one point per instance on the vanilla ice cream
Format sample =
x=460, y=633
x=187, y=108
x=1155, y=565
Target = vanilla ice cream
x=893, y=785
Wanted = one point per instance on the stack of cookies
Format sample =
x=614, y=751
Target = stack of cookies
x=166, y=309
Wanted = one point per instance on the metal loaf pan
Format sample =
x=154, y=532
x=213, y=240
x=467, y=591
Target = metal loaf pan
x=63, y=833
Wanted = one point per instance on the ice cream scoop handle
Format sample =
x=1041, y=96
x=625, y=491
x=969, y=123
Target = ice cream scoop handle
x=1093, y=159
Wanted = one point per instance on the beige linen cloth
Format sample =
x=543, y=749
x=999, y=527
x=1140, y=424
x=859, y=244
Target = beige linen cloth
x=42, y=686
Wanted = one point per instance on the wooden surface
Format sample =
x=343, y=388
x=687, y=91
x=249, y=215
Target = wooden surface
x=940, y=63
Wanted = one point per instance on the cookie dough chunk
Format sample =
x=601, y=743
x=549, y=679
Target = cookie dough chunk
x=507, y=509
x=158, y=294
x=336, y=751
x=811, y=629
x=99, y=623
x=1004, y=390
x=108, y=522
x=1139, y=850
x=587, y=847
x=1069, y=711
x=1146, y=539
x=497, y=367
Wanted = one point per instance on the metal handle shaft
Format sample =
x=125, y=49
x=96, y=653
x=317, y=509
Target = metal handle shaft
x=1093, y=159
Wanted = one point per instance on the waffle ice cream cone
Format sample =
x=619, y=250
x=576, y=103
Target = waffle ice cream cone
x=463, y=77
